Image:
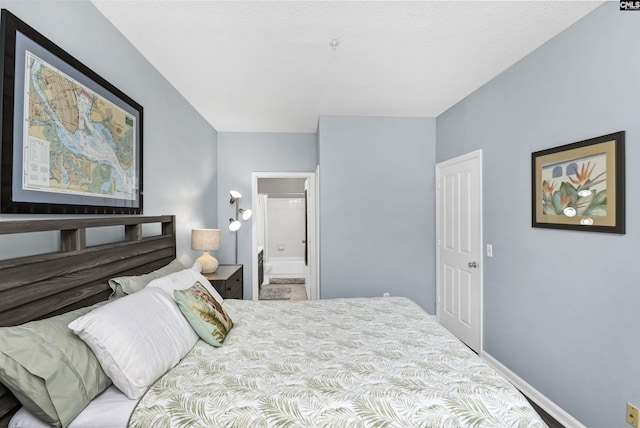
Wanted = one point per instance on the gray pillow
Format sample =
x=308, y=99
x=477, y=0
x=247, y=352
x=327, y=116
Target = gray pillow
x=124, y=285
x=50, y=370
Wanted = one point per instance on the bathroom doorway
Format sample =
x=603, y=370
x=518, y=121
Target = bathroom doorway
x=284, y=236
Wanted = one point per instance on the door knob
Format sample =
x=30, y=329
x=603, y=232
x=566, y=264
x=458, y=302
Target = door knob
x=473, y=264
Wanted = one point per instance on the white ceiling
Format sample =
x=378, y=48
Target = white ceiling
x=267, y=66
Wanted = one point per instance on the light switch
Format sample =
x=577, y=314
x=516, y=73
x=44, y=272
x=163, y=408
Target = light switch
x=489, y=250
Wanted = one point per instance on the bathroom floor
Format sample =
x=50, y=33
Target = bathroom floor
x=284, y=289
x=286, y=281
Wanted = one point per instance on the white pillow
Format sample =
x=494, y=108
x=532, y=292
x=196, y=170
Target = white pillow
x=182, y=280
x=137, y=338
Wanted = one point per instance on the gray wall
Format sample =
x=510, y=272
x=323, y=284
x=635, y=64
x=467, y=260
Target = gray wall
x=239, y=155
x=560, y=307
x=179, y=145
x=377, y=211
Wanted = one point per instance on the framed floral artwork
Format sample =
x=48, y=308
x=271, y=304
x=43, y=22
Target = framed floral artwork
x=580, y=186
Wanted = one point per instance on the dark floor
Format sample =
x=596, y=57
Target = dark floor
x=545, y=417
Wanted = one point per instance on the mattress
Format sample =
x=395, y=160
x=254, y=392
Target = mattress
x=333, y=363
x=110, y=409
x=359, y=362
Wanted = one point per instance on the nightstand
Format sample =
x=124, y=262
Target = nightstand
x=227, y=280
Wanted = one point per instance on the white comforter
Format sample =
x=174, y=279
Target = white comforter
x=333, y=363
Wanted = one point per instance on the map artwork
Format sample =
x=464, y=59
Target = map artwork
x=75, y=141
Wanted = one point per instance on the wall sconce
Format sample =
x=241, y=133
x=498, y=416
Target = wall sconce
x=205, y=240
x=241, y=213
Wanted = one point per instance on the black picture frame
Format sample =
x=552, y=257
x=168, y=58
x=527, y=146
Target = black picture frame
x=580, y=186
x=71, y=141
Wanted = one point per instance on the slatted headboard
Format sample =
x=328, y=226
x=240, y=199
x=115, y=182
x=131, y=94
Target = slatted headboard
x=40, y=286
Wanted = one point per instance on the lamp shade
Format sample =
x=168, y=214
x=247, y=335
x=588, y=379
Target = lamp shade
x=234, y=225
x=234, y=195
x=246, y=214
x=205, y=239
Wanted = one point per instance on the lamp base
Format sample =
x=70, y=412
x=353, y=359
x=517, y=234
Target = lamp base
x=208, y=262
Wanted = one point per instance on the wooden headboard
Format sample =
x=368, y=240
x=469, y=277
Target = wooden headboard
x=40, y=286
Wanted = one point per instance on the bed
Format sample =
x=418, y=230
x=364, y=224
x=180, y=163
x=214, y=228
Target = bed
x=334, y=363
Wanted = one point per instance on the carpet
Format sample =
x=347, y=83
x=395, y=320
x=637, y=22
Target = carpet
x=283, y=292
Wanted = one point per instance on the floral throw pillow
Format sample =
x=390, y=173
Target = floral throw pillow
x=206, y=316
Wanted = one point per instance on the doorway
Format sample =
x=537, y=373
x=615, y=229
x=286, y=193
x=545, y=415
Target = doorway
x=459, y=247
x=284, y=236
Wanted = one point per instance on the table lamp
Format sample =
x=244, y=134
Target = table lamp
x=205, y=240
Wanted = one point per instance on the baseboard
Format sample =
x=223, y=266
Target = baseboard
x=533, y=394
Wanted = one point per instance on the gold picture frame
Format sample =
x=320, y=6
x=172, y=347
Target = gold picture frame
x=580, y=186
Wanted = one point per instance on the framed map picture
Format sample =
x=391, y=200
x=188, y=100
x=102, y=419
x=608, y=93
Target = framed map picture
x=71, y=141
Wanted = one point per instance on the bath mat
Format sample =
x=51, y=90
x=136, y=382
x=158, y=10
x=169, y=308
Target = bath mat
x=283, y=292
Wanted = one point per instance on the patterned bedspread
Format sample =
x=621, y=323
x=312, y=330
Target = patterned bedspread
x=369, y=362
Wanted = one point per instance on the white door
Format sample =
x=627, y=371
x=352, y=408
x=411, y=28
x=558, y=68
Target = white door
x=459, y=247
